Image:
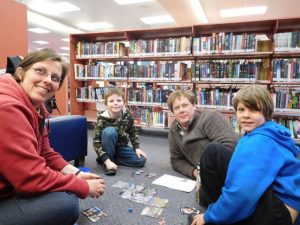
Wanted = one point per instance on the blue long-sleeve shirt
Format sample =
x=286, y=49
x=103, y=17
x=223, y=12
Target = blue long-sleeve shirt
x=266, y=156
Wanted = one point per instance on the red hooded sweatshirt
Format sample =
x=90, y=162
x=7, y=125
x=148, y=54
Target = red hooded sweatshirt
x=28, y=165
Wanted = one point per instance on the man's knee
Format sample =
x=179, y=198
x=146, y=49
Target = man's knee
x=214, y=150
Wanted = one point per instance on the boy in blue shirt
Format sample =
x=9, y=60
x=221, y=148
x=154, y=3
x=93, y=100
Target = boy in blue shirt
x=260, y=182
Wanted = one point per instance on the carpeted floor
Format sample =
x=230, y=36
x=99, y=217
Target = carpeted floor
x=116, y=208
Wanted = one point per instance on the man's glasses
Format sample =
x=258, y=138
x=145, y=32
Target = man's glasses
x=44, y=73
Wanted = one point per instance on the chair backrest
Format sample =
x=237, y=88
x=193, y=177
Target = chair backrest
x=68, y=136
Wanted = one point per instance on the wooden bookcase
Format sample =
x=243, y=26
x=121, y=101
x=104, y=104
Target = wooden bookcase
x=149, y=63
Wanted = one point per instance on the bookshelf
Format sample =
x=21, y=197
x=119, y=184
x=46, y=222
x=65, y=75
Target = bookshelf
x=212, y=60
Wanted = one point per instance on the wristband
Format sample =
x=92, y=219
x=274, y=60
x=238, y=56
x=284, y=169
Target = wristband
x=78, y=171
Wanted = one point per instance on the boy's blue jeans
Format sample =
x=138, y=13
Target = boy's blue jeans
x=120, y=155
x=59, y=208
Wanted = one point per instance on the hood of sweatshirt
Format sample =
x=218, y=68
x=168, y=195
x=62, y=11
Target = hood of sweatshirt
x=279, y=134
x=14, y=92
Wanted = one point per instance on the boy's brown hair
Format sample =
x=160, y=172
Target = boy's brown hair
x=255, y=97
x=114, y=91
x=180, y=93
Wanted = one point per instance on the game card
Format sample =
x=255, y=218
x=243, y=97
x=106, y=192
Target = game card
x=150, y=175
x=152, y=212
x=94, y=213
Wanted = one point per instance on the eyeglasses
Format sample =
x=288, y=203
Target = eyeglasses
x=44, y=73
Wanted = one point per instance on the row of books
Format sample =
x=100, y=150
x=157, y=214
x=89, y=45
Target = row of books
x=160, y=47
x=216, y=43
x=292, y=125
x=232, y=70
x=90, y=93
x=104, y=70
x=148, y=96
x=286, y=70
x=147, y=117
x=224, y=43
x=175, y=71
x=284, y=99
x=287, y=99
x=288, y=41
x=215, y=97
x=100, y=49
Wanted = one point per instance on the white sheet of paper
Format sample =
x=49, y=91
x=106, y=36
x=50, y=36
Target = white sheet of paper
x=177, y=183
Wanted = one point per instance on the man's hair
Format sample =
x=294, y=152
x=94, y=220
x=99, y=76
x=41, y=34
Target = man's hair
x=39, y=56
x=114, y=91
x=180, y=93
x=255, y=97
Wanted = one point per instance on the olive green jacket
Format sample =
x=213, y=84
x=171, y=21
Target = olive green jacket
x=124, y=126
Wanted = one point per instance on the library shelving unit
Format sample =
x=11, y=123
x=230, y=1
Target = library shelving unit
x=212, y=60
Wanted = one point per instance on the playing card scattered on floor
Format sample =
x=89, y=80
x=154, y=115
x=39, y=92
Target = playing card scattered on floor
x=151, y=212
x=94, y=213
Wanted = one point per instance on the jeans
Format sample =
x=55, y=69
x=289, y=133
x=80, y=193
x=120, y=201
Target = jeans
x=56, y=208
x=213, y=169
x=120, y=155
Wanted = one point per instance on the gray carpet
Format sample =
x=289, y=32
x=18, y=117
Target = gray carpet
x=116, y=208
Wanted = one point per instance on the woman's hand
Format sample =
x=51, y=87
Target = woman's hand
x=96, y=187
x=198, y=220
x=140, y=153
x=88, y=176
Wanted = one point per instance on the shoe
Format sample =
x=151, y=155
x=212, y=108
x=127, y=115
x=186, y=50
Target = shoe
x=109, y=172
x=99, y=161
x=191, y=217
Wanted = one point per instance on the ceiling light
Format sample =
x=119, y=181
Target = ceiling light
x=94, y=26
x=34, y=18
x=157, y=19
x=64, y=54
x=245, y=11
x=39, y=30
x=53, y=8
x=199, y=11
x=65, y=48
x=127, y=2
x=66, y=39
x=41, y=42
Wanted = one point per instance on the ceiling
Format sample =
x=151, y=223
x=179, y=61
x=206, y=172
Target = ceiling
x=126, y=17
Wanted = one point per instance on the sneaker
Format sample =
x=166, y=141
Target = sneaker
x=191, y=217
x=99, y=161
x=109, y=172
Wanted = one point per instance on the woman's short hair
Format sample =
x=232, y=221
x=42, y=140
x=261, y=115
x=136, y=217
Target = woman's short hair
x=39, y=56
x=255, y=97
x=114, y=91
x=180, y=93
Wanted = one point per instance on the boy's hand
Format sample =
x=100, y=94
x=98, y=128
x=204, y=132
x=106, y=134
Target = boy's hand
x=140, y=153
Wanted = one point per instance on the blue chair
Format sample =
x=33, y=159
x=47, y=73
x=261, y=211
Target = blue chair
x=68, y=136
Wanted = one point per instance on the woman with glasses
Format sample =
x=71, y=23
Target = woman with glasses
x=37, y=186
